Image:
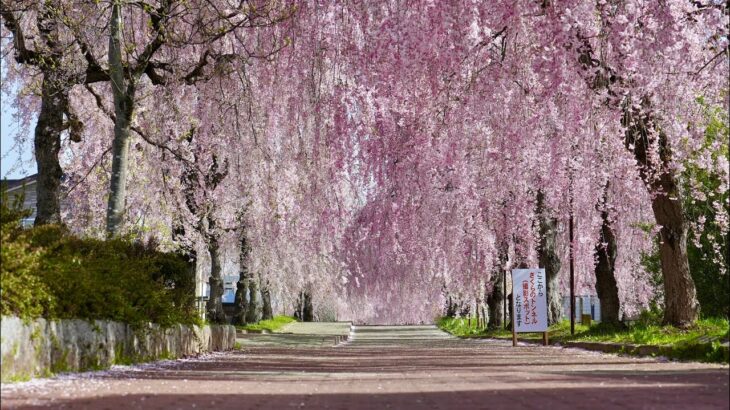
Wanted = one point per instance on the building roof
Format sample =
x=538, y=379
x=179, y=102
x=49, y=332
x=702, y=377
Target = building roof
x=13, y=184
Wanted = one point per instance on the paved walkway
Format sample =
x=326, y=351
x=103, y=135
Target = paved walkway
x=390, y=368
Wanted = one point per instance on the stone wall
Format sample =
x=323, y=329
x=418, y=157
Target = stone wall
x=42, y=347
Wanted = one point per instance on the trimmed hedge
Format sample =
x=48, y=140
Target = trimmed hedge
x=47, y=272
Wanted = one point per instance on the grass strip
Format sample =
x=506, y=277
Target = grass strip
x=702, y=342
x=271, y=324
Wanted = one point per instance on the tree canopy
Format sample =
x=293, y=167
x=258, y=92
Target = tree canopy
x=383, y=154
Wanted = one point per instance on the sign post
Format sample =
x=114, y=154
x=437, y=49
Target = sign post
x=529, y=303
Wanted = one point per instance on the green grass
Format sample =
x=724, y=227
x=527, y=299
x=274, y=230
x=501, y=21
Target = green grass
x=271, y=325
x=700, y=342
x=464, y=328
x=704, y=330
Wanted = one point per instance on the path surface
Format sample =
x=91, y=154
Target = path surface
x=390, y=368
x=299, y=334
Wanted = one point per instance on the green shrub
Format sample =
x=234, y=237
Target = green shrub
x=48, y=272
x=22, y=292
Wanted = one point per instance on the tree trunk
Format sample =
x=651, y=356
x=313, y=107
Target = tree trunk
x=241, y=300
x=214, y=306
x=681, y=307
x=644, y=137
x=495, y=300
x=54, y=104
x=299, y=307
x=308, y=308
x=47, y=141
x=253, y=311
x=124, y=94
x=450, y=307
x=549, y=259
x=478, y=318
x=266, y=312
x=605, y=279
x=510, y=310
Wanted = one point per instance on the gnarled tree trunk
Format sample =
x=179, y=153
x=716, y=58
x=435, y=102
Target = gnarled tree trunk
x=253, y=311
x=681, y=307
x=307, y=308
x=241, y=299
x=50, y=46
x=266, y=312
x=605, y=279
x=495, y=300
x=451, y=307
x=644, y=137
x=495, y=303
x=47, y=141
x=240, y=302
x=214, y=307
x=549, y=259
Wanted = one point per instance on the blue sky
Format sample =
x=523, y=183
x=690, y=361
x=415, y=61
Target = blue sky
x=14, y=162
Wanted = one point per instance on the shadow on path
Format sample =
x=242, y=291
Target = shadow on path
x=393, y=367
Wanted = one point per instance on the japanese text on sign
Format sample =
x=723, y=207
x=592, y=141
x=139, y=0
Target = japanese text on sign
x=530, y=300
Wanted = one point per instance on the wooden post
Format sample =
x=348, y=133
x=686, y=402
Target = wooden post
x=545, y=338
x=514, y=334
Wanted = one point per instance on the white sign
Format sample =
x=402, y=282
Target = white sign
x=529, y=300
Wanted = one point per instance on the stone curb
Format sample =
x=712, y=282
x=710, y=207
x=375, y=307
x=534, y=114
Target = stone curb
x=339, y=339
x=335, y=339
x=252, y=331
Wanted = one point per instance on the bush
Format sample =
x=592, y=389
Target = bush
x=48, y=272
x=23, y=292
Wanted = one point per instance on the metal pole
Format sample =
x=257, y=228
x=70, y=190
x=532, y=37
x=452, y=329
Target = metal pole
x=504, y=297
x=514, y=333
x=572, y=271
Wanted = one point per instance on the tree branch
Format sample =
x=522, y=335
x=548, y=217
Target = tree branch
x=134, y=128
x=22, y=54
x=157, y=18
x=723, y=51
x=93, y=166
